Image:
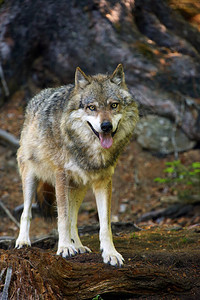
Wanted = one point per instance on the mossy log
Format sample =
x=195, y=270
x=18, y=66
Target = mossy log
x=40, y=274
x=160, y=263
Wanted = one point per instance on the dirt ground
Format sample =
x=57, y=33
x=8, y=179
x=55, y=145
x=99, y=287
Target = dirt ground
x=134, y=189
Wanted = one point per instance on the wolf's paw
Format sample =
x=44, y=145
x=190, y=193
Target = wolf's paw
x=66, y=251
x=83, y=249
x=21, y=243
x=113, y=258
x=79, y=246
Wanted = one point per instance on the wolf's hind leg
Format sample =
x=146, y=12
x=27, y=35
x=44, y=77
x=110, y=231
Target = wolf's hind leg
x=29, y=188
x=76, y=198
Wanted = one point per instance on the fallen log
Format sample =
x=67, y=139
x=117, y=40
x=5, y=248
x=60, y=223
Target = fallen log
x=43, y=275
x=159, y=264
x=173, y=211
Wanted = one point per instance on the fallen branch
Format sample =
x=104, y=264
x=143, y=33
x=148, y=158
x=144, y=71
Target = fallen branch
x=2, y=272
x=7, y=284
x=9, y=214
x=3, y=81
x=9, y=138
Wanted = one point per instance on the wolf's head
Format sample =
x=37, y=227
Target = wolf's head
x=104, y=100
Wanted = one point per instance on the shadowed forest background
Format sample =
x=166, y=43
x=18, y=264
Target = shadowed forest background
x=157, y=181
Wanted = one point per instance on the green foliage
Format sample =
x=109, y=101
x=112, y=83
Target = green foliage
x=184, y=240
x=134, y=236
x=98, y=297
x=185, y=180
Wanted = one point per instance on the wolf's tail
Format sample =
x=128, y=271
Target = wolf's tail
x=46, y=199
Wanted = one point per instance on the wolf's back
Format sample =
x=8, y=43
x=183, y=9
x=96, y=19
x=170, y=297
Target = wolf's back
x=49, y=99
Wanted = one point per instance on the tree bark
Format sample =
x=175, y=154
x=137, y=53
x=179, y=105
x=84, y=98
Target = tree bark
x=43, y=41
x=159, y=263
x=43, y=275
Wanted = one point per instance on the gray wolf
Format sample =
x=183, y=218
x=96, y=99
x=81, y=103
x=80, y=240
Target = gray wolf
x=71, y=140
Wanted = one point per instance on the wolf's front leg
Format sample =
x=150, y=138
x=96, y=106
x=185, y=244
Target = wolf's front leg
x=29, y=188
x=103, y=191
x=65, y=246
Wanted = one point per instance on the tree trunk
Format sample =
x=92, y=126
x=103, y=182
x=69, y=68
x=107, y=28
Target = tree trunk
x=42, y=42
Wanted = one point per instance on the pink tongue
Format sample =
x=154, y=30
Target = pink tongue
x=106, y=140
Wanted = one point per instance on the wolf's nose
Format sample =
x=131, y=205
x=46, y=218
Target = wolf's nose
x=106, y=126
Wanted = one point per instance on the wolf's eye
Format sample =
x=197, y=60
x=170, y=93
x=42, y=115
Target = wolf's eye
x=114, y=105
x=92, y=107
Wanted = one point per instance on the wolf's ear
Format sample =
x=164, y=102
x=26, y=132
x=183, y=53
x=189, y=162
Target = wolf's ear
x=118, y=76
x=81, y=80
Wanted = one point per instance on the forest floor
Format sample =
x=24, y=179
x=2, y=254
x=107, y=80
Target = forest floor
x=173, y=240
x=134, y=190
